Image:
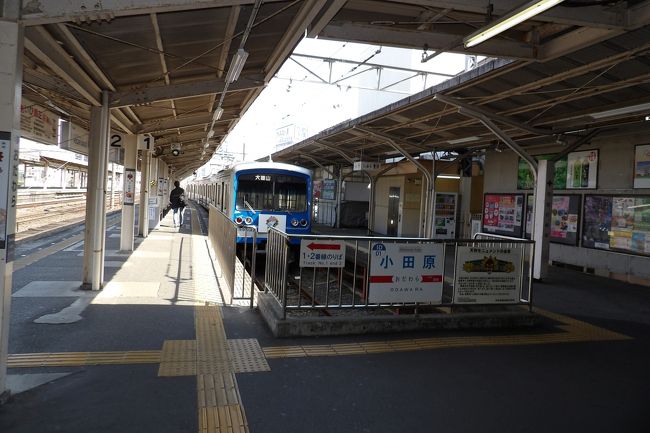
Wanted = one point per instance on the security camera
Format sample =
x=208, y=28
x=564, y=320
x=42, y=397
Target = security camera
x=176, y=149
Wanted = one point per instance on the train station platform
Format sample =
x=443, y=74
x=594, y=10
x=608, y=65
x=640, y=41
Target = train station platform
x=161, y=349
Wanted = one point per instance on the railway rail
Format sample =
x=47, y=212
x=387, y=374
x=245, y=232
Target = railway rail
x=41, y=212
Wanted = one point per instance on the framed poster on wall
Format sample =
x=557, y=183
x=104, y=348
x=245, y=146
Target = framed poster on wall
x=526, y=180
x=582, y=170
x=642, y=166
x=503, y=214
x=328, y=189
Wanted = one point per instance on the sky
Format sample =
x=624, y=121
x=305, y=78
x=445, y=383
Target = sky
x=297, y=96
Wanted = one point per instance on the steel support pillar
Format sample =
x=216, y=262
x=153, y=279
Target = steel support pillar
x=542, y=217
x=11, y=52
x=143, y=216
x=339, y=187
x=465, y=214
x=128, y=193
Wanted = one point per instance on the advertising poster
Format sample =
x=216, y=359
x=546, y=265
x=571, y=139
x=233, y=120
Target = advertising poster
x=5, y=142
x=642, y=166
x=582, y=169
x=129, y=186
x=564, y=219
x=597, y=221
x=328, y=191
x=406, y=272
x=503, y=214
x=525, y=179
x=487, y=275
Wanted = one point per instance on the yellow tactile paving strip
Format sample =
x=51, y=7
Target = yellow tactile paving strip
x=73, y=359
x=570, y=331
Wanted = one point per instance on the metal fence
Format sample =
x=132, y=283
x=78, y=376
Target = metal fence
x=223, y=234
x=338, y=288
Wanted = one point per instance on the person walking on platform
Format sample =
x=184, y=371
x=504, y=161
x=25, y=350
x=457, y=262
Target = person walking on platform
x=177, y=201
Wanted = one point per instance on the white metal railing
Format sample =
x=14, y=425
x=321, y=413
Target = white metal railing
x=328, y=288
x=223, y=234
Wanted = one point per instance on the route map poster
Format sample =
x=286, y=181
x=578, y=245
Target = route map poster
x=406, y=272
x=503, y=214
x=488, y=275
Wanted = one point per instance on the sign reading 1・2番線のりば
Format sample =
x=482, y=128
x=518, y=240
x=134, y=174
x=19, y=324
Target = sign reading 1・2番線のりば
x=488, y=275
x=405, y=272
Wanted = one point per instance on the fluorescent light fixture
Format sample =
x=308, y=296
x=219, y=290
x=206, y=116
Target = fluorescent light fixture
x=511, y=19
x=623, y=110
x=217, y=115
x=210, y=134
x=463, y=140
x=448, y=176
x=236, y=65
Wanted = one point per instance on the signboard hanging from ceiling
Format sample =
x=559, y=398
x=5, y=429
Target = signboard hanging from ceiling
x=37, y=123
x=366, y=165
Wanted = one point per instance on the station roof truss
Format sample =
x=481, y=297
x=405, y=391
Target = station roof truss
x=164, y=63
x=598, y=90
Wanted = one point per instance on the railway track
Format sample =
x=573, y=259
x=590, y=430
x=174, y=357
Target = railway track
x=33, y=217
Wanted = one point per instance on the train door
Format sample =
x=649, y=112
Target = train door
x=393, y=211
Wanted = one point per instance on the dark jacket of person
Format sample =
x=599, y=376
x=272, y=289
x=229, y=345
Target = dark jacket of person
x=175, y=197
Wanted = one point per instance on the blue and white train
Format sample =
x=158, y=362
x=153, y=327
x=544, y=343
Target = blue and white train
x=261, y=194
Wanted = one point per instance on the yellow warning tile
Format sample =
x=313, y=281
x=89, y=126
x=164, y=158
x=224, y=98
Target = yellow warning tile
x=284, y=352
x=319, y=350
x=178, y=368
x=179, y=351
x=349, y=349
x=217, y=390
x=222, y=419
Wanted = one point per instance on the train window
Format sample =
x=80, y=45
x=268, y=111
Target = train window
x=280, y=193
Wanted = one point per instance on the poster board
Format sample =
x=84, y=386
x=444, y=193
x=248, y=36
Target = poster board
x=642, y=166
x=503, y=214
x=565, y=218
x=617, y=223
x=488, y=275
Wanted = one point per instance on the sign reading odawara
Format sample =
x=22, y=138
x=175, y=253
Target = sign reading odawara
x=404, y=272
x=488, y=275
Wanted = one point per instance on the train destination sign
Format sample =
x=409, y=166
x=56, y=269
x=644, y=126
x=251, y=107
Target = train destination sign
x=406, y=272
x=315, y=253
x=487, y=275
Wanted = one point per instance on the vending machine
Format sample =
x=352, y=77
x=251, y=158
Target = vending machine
x=444, y=215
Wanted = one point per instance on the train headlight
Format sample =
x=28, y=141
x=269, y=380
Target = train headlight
x=249, y=220
x=294, y=222
x=239, y=220
x=303, y=222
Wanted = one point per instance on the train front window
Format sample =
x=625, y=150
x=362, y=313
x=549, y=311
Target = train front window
x=271, y=192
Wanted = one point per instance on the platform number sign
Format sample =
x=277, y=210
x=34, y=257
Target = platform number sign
x=116, y=141
x=145, y=142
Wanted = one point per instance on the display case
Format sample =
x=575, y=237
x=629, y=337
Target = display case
x=444, y=217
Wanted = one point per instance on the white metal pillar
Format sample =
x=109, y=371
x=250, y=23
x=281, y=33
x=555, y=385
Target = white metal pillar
x=339, y=187
x=542, y=217
x=11, y=52
x=96, y=196
x=143, y=217
x=128, y=193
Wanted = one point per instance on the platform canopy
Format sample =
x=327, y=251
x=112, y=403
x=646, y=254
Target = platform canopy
x=598, y=90
x=165, y=62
